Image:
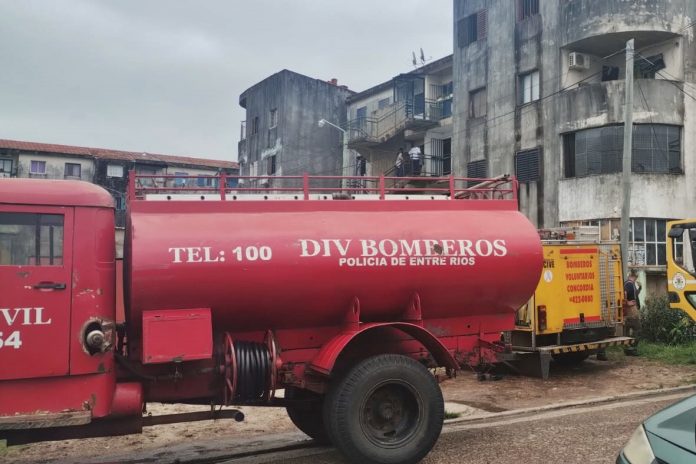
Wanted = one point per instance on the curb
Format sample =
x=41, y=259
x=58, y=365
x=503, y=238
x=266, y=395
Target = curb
x=572, y=404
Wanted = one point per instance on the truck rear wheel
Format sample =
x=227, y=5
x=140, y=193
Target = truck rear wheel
x=386, y=409
x=306, y=413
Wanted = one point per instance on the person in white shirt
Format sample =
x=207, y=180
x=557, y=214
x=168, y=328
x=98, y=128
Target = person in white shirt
x=415, y=155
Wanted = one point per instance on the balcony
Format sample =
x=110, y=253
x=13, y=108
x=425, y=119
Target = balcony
x=601, y=27
x=394, y=119
x=655, y=101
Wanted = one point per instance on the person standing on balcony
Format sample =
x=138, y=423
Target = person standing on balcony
x=415, y=155
x=399, y=163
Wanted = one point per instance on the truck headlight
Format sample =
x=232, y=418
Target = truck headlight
x=638, y=450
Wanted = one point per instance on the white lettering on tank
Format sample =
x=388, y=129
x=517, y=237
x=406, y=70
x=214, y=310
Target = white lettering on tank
x=304, y=245
x=177, y=253
x=194, y=255
x=369, y=248
x=500, y=249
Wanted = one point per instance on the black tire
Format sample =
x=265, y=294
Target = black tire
x=570, y=359
x=307, y=413
x=386, y=409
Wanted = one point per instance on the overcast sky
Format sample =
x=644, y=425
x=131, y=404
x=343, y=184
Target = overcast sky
x=165, y=76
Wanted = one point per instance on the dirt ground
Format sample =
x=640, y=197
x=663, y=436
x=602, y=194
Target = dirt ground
x=588, y=380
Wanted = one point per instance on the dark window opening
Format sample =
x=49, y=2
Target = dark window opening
x=5, y=167
x=476, y=170
x=610, y=73
x=271, y=165
x=472, y=28
x=255, y=125
x=73, y=170
x=527, y=165
x=477, y=103
x=656, y=149
x=646, y=68
x=527, y=8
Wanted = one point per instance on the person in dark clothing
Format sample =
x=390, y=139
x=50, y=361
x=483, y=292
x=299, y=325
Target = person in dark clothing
x=632, y=311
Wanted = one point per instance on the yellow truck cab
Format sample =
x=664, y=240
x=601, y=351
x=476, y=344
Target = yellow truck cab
x=681, y=274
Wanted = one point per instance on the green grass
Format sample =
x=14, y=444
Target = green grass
x=3, y=446
x=668, y=354
x=451, y=415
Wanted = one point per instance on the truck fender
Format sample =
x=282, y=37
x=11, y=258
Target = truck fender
x=323, y=363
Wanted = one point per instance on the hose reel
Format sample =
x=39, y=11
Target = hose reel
x=249, y=370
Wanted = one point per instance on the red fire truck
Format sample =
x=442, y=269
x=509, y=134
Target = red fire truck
x=348, y=301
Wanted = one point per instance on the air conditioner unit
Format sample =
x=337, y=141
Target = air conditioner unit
x=578, y=61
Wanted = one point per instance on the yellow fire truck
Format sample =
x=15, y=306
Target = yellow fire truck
x=681, y=275
x=576, y=308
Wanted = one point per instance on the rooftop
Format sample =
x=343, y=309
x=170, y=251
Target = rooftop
x=105, y=153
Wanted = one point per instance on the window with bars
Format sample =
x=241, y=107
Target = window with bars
x=527, y=9
x=255, y=125
x=383, y=103
x=656, y=148
x=527, y=165
x=477, y=103
x=472, y=28
x=273, y=117
x=647, y=239
x=476, y=170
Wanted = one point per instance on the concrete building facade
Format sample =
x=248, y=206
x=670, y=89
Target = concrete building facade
x=412, y=109
x=281, y=135
x=551, y=73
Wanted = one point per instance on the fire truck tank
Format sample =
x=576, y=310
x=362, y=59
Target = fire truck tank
x=290, y=264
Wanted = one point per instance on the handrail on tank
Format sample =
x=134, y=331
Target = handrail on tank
x=503, y=187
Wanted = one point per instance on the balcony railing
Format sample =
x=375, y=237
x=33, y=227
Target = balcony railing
x=397, y=117
x=307, y=187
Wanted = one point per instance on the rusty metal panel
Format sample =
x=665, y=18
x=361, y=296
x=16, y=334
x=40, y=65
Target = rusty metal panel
x=176, y=335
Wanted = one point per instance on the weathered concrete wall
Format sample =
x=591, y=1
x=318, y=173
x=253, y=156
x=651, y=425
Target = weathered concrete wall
x=652, y=196
x=542, y=42
x=297, y=142
x=55, y=165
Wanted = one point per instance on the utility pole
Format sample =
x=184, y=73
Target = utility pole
x=627, y=151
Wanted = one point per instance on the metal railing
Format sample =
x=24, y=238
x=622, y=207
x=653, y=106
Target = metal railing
x=394, y=118
x=227, y=187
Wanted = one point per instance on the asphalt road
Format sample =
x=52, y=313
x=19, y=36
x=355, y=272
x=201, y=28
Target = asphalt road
x=591, y=434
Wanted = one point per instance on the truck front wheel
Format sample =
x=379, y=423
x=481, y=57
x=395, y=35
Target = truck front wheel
x=386, y=409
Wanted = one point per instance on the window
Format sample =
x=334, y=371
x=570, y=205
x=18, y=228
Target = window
x=646, y=68
x=383, y=103
x=114, y=170
x=255, y=125
x=472, y=28
x=476, y=170
x=180, y=181
x=29, y=239
x=527, y=8
x=120, y=201
x=528, y=87
x=271, y=165
x=207, y=182
x=5, y=167
x=273, y=118
x=527, y=165
x=37, y=167
x=73, y=170
x=477, y=103
x=656, y=148
x=610, y=73
x=647, y=242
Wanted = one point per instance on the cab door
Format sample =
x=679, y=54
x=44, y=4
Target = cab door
x=35, y=290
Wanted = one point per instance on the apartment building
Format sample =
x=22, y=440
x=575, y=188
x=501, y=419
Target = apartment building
x=105, y=167
x=539, y=92
x=281, y=135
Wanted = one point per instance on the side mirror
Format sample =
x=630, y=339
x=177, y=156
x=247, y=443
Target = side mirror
x=675, y=232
